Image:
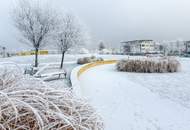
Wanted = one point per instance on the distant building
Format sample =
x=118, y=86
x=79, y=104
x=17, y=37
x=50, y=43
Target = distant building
x=176, y=47
x=105, y=51
x=187, y=47
x=116, y=51
x=83, y=51
x=139, y=47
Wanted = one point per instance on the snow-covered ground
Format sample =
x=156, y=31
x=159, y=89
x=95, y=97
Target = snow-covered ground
x=55, y=58
x=129, y=101
x=132, y=101
x=25, y=61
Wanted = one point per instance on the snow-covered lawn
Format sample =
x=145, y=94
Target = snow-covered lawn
x=132, y=101
x=129, y=101
x=25, y=61
x=22, y=60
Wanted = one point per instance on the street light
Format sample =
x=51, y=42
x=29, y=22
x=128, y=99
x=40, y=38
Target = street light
x=4, y=51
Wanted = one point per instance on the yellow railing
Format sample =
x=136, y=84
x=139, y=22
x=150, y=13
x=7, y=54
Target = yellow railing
x=90, y=65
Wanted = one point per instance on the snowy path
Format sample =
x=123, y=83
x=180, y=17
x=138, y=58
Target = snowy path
x=127, y=105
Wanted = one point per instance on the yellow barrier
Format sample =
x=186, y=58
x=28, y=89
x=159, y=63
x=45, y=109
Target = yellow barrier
x=90, y=65
x=28, y=53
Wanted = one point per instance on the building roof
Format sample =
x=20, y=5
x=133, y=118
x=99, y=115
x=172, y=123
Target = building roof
x=187, y=41
x=136, y=41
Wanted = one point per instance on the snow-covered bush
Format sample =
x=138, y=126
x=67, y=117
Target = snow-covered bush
x=86, y=60
x=9, y=74
x=149, y=65
x=29, y=104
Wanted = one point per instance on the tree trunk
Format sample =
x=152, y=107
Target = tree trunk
x=36, y=58
x=63, y=55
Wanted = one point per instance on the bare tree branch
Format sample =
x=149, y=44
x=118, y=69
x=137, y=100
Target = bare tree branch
x=35, y=23
x=69, y=34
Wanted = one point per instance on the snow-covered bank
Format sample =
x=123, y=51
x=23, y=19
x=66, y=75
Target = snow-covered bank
x=75, y=81
x=131, y=101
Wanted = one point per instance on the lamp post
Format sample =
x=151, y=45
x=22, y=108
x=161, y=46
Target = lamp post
x=4, y=51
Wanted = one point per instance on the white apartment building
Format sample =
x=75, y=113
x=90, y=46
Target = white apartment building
x=139, y=46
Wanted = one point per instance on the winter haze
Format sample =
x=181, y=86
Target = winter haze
x=114, y=20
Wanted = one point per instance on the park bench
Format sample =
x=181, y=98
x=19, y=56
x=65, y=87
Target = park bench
x=53, y=75
x=50, y=72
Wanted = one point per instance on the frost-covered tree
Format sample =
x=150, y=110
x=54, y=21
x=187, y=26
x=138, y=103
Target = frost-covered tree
x=69, y=34
x=35, y=23
x=101, y=46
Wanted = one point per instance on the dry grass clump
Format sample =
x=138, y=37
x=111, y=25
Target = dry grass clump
x=86, y=60
x=9, y=75
x=149, y=65
x=29, y=104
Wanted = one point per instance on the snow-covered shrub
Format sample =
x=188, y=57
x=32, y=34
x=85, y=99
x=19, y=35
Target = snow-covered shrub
x=149, y=65
x=29, y=104
x=86, y=60
x=9, y=75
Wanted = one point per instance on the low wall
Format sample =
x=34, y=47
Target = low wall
x=78, y=71
x=90, y=65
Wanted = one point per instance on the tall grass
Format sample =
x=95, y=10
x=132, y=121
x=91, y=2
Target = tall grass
x=149, y=65
x=29, y=104
x=86, y=60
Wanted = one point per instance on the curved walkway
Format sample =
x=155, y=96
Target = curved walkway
x=127, y=105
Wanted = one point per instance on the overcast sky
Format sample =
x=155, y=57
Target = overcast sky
x=115, y=20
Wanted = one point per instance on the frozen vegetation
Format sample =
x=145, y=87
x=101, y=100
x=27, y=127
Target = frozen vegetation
x=149, y=65
x=86, y=60
x=30, y=104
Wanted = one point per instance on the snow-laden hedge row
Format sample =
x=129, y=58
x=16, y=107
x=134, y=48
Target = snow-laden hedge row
x=149, y=65
x=29, y=104
x=86, y=60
